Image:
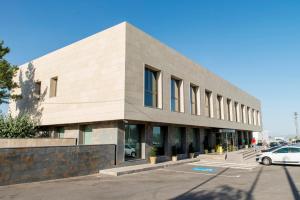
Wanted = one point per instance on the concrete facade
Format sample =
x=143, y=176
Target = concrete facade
x=100, y=84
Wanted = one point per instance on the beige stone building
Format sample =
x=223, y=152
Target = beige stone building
x=121, y=86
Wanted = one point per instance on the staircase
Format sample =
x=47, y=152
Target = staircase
x=241, y=156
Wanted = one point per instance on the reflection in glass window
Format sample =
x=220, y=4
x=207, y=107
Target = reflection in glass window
x=194, y=139
x=61, y=132
x=193, y=99
x=132, y=142
x=208, y=103
x=178, y=139
x=175, y=95
x=294, y=150
x=158, y=140
x=151, y=88
x=87, y=135
x=282, y=150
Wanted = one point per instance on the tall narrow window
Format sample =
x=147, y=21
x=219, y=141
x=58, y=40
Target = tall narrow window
x=254, y=117
x=229, y=110
x=258, y=118
x=193, y=99
x=237, y=111
x=176, y=95
x=220, y=109
x=37, y=89
x=53, y=87
x=243, y=114
x=208, y=104
x=249, y=115
x=151, y=88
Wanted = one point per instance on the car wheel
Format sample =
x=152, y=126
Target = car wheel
x=132, y=154
x=267, y=161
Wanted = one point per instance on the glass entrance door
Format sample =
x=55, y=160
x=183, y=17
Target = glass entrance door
x=132, y=142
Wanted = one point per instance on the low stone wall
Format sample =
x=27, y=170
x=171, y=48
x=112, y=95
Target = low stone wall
x=20, y=165
x=36, y=142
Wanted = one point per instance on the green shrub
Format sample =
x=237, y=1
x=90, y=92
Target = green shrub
x=153, y=152
x=18, y=127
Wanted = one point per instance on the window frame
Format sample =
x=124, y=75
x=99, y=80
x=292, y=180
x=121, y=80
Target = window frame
x=154, y=92
x=194, y=89
x=179, y=101
x=208, y=102
x=237, y=111
x=229, y=109
x=53, y=86
x=159, y=87
x=220, y=104
x=37, y=87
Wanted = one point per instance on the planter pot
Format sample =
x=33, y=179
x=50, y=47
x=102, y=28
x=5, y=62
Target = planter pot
x=213, y=151
x=206, y=151
x=191, y=155
x=174, y=158
x=153, y=160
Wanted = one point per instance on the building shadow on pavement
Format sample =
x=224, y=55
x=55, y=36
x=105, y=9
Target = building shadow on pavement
x=223, y=192
x=292, y=184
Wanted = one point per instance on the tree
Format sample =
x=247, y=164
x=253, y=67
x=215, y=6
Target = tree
x=18, y=127
x=7, y=72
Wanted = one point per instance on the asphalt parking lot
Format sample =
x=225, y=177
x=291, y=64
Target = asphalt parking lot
x=188, y=181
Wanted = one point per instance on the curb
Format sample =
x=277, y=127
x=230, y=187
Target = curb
x=144, y=167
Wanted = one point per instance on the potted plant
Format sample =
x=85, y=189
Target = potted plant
x=153, y=157
x=174, y=153
x=191, y=150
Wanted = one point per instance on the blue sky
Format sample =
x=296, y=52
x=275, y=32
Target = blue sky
x=254, y=44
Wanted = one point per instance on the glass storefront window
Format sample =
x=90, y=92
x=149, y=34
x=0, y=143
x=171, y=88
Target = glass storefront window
x=60, y=131
x=178, y=140
x=132, y=142
x=87, y=135
x=193, y=139
x=158, y=140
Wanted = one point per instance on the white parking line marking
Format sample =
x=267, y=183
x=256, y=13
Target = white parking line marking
x=199, y=173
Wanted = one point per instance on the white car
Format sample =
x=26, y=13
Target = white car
x=129, y=151
x=282, y=155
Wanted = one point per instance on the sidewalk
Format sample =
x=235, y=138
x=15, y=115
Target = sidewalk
x=144, y=167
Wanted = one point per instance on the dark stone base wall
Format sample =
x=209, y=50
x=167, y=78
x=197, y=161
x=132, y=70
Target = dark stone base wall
x=20, y=165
